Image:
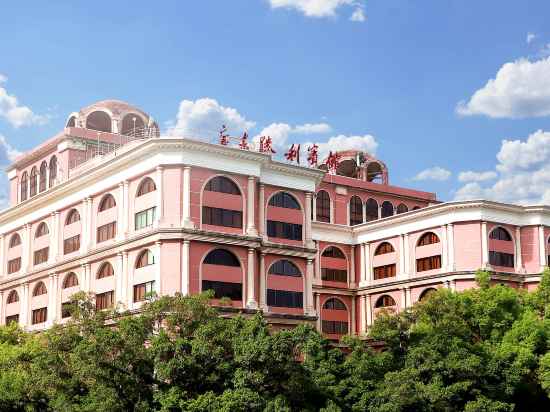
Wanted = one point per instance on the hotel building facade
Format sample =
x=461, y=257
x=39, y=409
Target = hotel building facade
x=111, y=207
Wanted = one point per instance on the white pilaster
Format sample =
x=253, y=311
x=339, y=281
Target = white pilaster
x=2, y=309
x=120, y=293
x=261, y=212
x=451, y=247
x=352, y=267
x=407, y=255
x=27, y=250
x=250, y=205
x=51, y=301
x=314, y=207
x=263, y=284
x=403, y=303
x=369, y=309
x=307, y=210
x=185, y=268
x=362, y=314
x=120, y=212
x=160, y=195
x=186, y=218
x=318, y=307
x=128, y=280
x=519, y=258
x=85, y=226
x=408, y=296
x=362, y=269
x=158, y=273
x=23, y=312
x=126, y=212
x=484, y=246
x=542, y=249
x=444, y=248
x=250, y=281
x=308, y=290
x=353, y=328
x=401, y=273
x=2, y=257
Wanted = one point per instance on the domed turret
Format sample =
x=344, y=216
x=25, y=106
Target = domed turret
x=361, y=165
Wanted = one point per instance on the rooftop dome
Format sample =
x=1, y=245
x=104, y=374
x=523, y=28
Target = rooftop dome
x=361, y=165
x=112, y=116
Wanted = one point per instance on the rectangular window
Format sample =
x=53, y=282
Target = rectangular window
x=428, y=263
x=14, y=265
x=71, y=244
x=145, y=218
x=39, y=315
x=12, y=318
x=284, y=230
x=386, y=271
x=104, y=300
x=501, y=259
x=222, y=217
x=41, y=256
x=143, y=291
x=284, y=299
x=233, y=291
x=334, y=327
x=66, y=310
x=334, y=275
x=106, y=232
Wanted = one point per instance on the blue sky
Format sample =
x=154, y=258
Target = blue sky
x=391, y=79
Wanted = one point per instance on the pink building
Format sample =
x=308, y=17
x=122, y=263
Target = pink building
x=111, y=207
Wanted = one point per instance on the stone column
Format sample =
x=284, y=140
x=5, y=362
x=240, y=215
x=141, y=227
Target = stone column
x=27, y=251
x=364, y=211
x=158, y=272
x=250, y=281
x=401, y=273
x=444, y=249
x=363, y=314
x=261, y=212
x=263, y=284
x=160, y=196
x=451, y=247
x=185, y=268
x=120, y=293
x=408, y=296
x=484, y=246
x=307, y=211
x=519, y=258
x=369, y=310
x=250, y=206
x=308, y=291
x=362, y=269
x=126, y=197
x=403, y=299
x=120, y=212
x=368, y=264
x=85, y=226
x=353, y=328
x=314, y=207
x=91, y=231
x=352, y=277
x=51, y=301
x=186, y=218
x=407, y=255
x=318, y=307
x=24, y=305
x=542, y=249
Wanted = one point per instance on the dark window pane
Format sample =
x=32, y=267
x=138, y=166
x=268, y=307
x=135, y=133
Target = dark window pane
x=233, y=291
x=283, y=199
x=284, y=299
x=222, y=217
x=284, y=230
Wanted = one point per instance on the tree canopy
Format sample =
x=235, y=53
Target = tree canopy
x=485, y=349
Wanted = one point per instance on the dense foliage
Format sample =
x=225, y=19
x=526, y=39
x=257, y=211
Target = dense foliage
x=484, y=349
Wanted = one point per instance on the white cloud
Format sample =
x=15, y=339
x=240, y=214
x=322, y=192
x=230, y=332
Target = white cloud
x=520, y=89
x=433, y=173
x=9, y=152
x=530, y=37
x=16, y=114
x=523, y=170
x=358, y=15
x=470, y=176
x=204, y=117
x=321, y=8
x=365, y=143
x=311, y=128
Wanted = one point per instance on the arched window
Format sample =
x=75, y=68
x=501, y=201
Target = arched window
x=334, y=304
x=145, y=258
x=132, y=125
x=222, y=184
x=222, y=257
x=71, y=122
x=42, y=230
x=105, y=271
x=99, y=121
x=13, y=297
x=284, y=267
x=355, y=211
x=70, y=280
x=24, y=186
x=333, y=252
x=34, y=176
x=323, y=206
x=402, y=208
x=371, y=207
x=53, y=171
x=374, y=172
x=108, y=202
x=147, y=185
x=385, y=301
x=15, y=240
x=387, y=209
x=499, y=233
x=39, y=289
x=426, y=293
x=383, y=248
x=428, y=238
x=72, y=217
x=43, y=177
x=284, y=199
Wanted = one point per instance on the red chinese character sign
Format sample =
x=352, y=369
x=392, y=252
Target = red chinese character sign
x=266, y=145
x=313, y=155
x=293, y=153
x=224, y=137
x=243, y=144
x=332, y=162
